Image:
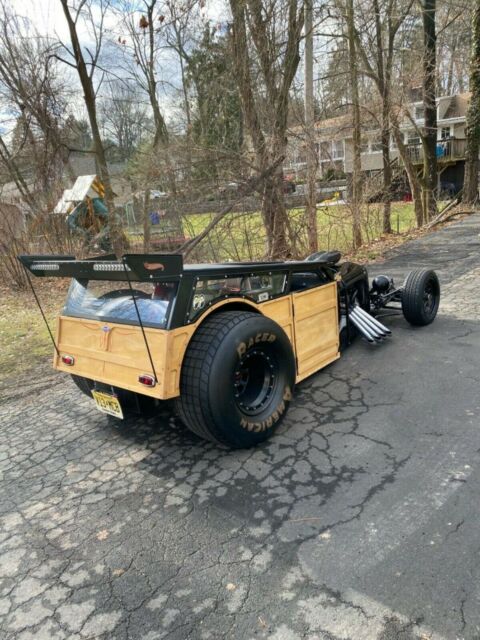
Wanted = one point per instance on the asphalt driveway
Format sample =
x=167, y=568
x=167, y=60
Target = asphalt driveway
x=360, y=520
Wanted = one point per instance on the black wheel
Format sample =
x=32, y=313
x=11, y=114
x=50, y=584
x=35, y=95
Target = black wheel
x=421, y=297
x=237, y=379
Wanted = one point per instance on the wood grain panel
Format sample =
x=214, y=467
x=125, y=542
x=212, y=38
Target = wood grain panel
x=316, y=328
x=118, y=356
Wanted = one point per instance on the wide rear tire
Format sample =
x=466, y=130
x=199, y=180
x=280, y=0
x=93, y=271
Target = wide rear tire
x=421, y=297
x=237, y=379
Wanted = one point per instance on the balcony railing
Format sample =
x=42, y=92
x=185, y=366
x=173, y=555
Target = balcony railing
x=448, y=150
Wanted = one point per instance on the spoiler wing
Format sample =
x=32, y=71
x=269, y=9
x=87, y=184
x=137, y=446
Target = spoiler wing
x=139, y=267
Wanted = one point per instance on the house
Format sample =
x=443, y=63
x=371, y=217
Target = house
x=334, y=143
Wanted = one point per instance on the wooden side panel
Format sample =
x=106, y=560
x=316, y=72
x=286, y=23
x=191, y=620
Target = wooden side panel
x=316, y=328
x=177, y=345
x=112, y=353
x=281, y=311
x=116, y=353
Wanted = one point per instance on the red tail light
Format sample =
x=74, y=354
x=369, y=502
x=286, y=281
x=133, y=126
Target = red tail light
x=70, y=360
x=147, y=380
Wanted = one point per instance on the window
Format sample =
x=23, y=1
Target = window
x=112, y=301
x=413, y=138
x=445, y=133
x=364, y=146
x=337, y=146
x=259, y=286
x=419, y=113
x=376, y=144
x=325, y=151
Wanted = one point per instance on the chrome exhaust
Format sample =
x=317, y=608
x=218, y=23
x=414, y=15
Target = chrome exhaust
x=372, y=321
x=365, y=330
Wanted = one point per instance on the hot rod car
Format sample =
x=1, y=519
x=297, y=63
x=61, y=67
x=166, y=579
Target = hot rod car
x=228, y=342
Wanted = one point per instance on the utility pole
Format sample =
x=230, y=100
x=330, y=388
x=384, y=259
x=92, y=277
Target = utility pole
x=311, y=153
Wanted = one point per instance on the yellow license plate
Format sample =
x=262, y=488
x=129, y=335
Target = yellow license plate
x=107, y=404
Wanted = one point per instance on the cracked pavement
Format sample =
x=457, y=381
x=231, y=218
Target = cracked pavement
x=358, y=520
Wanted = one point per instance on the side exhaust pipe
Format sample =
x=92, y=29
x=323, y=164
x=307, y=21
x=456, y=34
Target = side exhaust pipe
x=364, y=329
x=373, y=321
x=368, y=326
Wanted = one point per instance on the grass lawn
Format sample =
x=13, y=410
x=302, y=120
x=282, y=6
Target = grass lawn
x=24, y=340
x=241, y=236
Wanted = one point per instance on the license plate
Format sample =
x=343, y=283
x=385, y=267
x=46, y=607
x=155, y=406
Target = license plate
x=107, y=404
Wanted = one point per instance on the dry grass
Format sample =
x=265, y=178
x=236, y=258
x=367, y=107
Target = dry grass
x=24, y=339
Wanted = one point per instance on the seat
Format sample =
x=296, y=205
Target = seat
x=302, y=281
x=331, y=257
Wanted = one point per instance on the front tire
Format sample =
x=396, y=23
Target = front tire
x=237, y=379
x=421, y=297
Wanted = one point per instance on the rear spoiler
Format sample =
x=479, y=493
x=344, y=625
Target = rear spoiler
x=138, y=267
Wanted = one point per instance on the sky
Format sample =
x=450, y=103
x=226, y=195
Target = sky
x=47, y=17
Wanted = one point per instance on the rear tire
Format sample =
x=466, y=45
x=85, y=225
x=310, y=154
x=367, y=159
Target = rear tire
x=237, y=379
x=421, y=297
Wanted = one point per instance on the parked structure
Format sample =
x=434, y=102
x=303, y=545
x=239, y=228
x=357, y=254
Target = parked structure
x=335, y=153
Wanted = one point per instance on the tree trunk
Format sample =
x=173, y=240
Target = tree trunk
x=430, y=174
x=413, y=179
x=277, y=79
x=357, y=161
x=89, y=96
x=311, y=192
x=274, y=215
x=470, y=187
x=387, y=171
x=161, y=134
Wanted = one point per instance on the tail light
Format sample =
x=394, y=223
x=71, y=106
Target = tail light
x=147, y=380
x=69, y=360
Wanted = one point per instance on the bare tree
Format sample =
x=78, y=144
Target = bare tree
x=123, y=117
x=267, y=34
x=32, y=93
x=357, y=162
x=143, y=45
x=86, y=67
x=312, y=157
x=430, y=174
x=472, y=165
x=413, y=178
x=376, y=47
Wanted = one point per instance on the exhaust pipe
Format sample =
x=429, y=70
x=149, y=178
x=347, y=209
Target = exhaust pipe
x=365, y=330
x=372, y=321
x=369, y=321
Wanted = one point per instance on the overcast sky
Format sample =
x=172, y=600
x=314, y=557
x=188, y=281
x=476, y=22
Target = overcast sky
x=47, y=15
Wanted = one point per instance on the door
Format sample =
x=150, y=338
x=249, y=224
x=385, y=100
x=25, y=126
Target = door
x=316, y=328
